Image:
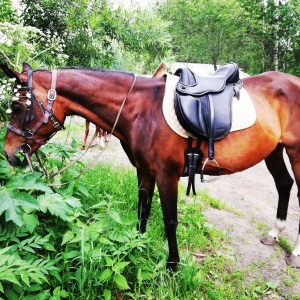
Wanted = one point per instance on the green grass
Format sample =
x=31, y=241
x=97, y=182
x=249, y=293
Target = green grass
x=285, y=245
x=113, y=198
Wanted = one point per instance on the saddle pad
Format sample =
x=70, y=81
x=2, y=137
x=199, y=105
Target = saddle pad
x=243, y=111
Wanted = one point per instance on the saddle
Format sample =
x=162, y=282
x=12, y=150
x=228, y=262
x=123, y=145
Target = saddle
x=203, y=104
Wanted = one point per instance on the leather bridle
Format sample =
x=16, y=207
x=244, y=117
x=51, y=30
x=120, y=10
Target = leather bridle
x=47, y=114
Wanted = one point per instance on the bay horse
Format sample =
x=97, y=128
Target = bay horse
x=130, y=107
x=101, y=134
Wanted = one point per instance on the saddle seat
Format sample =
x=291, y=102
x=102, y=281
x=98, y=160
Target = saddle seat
x=192, y=84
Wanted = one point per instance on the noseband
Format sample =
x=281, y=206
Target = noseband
x=47, y=113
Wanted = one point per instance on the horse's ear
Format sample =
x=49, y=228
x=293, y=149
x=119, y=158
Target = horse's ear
x=26, y=67
x=13, y=74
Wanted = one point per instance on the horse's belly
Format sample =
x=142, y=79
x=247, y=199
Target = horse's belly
x=242, y=149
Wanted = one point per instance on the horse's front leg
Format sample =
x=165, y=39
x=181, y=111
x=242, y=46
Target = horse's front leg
x=168, y=191
x=146, y=185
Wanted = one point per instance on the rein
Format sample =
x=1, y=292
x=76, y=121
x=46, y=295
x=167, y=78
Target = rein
x=48, y=113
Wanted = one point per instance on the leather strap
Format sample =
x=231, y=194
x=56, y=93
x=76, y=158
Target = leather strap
x=51, y=96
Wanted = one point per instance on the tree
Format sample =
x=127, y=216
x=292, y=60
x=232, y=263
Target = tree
x=272, y=35
x=203, y=31
x=259, y=35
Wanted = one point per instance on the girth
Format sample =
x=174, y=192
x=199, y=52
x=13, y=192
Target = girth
x=203, y=104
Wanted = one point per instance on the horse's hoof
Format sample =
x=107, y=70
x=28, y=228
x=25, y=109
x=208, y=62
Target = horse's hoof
x=269, y=240
x=293, y=261
x=172, y=266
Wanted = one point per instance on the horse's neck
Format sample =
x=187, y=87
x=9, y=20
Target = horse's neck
x=96, y=96
x=88, y=87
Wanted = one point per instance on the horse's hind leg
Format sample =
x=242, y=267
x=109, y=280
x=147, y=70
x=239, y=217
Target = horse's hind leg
x=294, y=156
x=146, y=188
x=101, y=136
x=283, y=181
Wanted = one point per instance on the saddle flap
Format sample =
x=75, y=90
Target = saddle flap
x=206, y=115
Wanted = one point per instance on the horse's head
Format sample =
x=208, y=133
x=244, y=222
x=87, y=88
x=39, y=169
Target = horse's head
x=32, y=120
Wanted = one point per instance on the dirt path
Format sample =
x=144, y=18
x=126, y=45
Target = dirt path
x=253, y=193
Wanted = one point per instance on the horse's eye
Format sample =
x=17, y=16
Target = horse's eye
x=16, y=108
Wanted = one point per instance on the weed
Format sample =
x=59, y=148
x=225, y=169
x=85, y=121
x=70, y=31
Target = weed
x=285, y=244
x=261, y=226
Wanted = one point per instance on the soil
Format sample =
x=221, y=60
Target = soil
x=253, y=195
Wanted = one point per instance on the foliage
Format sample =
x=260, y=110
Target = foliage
x=7, y=12
x=146, y=37
x=6, y=90
x=26, y=244
x=271, y=36
x=203, y=31
x=95, y=33
x=63, y=250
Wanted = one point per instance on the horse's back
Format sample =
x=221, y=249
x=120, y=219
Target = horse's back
x=276, y=98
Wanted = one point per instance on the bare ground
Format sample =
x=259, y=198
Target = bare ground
x=252, y=193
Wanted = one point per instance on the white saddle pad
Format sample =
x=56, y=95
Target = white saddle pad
x=243, y=111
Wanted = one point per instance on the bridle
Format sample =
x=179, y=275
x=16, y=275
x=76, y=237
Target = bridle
x=47, y=114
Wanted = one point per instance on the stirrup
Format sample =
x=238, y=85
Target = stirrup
x=202, y=171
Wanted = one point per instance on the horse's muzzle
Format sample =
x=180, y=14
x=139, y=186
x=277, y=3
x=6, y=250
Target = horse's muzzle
x=15, y=161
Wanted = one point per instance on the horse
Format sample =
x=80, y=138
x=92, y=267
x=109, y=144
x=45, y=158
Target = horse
x=101, y=134
x=130, y=107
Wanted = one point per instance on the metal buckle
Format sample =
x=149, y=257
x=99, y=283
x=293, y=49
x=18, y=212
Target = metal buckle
x=52, y=94
x=56, y=125
x=29, y=133
x=25, y=149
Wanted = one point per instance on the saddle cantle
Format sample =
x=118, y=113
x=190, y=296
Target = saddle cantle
x=203, y=104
